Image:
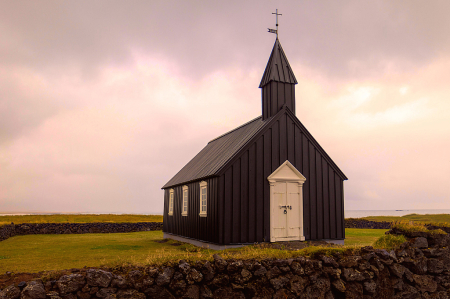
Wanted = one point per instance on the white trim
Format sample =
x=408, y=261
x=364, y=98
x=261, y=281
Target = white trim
x=287, y=173
x=171, y=200
x=279, y=175
x=185, y=200
x=203, y=186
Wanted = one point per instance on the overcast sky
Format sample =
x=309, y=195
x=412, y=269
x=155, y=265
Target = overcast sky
x=102, y=102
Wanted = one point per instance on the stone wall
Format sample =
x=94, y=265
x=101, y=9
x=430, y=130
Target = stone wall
x=10, y=230
x=419, y=268
x=6, y=231
x=362, y=223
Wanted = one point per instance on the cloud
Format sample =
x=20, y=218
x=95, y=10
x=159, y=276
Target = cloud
x=103, y=102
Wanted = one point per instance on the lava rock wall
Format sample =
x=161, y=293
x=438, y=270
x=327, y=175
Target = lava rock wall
x=419, y=268
x=11, y=230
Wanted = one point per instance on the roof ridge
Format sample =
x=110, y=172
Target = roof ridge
x=235, y=129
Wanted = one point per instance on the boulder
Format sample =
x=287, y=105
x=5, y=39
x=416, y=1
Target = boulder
x=165, y=276
x=11, y=292
x=220, y=263
x=105, y=292
x=34, y=290
x=98, y=278
x=130, y=294
x=420, y=242
x=70, y=283
x=298, y=284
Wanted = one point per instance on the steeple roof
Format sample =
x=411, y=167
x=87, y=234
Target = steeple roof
x=278, y=68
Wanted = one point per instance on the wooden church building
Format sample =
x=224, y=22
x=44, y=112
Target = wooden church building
x=268, y=180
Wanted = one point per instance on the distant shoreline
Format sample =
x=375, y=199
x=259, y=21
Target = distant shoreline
x=347, y=213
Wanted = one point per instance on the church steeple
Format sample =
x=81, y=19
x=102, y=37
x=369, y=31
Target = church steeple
x=277, y=83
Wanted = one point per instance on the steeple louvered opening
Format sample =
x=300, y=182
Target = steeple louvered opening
x=277, y=83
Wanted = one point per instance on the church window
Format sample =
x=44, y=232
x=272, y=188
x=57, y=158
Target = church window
x=171, y=202
x=203, y=198
x=185, y=201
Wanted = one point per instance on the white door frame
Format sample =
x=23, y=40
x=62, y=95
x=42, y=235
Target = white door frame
x=286, y=172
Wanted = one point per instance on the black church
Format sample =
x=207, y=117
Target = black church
x=265, y=181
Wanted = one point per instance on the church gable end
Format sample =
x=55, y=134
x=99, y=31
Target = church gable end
x=244, y=191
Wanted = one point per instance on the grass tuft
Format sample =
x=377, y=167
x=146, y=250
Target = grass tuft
x=410, y=227
x=389, y=241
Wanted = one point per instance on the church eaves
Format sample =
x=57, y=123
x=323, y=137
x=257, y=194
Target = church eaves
x=278, y=68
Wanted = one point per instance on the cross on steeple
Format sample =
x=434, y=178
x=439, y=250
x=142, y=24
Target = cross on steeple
x=276, y=16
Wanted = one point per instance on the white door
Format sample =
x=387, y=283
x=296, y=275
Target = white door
x=286, y=210
x=286, y=203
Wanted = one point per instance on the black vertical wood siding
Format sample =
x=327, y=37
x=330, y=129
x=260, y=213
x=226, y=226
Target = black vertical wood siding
x=276, y=94
x=193, y=226
x=246, y=190
x=239, y=198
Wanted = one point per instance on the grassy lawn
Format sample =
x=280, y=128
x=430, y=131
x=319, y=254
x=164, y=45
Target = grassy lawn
x=74, y=218
x=34, y=253
x=427, y=218
x=362, y=237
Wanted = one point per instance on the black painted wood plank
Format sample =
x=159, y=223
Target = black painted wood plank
x=275, y=147
x=292, y=87
x=220, y=208
x=306, y=187
x=165, y=217
x=252, y=160
x=268, y=162
x=320, y=215
x=236, y=233
x=288, y=95
x=290, y=141
x=244, y=198
x=228, y=205
x=313, y=190
x=298, y=150
x=260, y=164
x=280, y=95
x=283, y=141
x=326, y=200
x=339, y=208
x=332, y=203
x=273, y=97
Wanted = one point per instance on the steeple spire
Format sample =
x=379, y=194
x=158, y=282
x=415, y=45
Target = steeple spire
x=277, y=83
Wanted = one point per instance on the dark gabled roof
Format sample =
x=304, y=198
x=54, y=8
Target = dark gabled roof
x=216, y=153
x=278, y=68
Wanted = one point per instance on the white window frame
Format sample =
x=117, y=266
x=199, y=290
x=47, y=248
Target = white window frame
x=184, y=207
x=171, y=200
x=203, y=186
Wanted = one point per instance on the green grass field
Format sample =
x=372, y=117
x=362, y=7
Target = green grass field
x=34, y=253
x=362, y=237
x=79, y=218
x=427, y=218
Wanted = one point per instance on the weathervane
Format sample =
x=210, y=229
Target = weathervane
x=275, y=30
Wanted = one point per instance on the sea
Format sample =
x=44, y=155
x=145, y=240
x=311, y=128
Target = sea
x=366, y=213
x=347, y=213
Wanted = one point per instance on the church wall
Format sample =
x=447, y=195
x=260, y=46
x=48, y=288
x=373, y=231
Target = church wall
x=244, y=191
x=192, y=225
